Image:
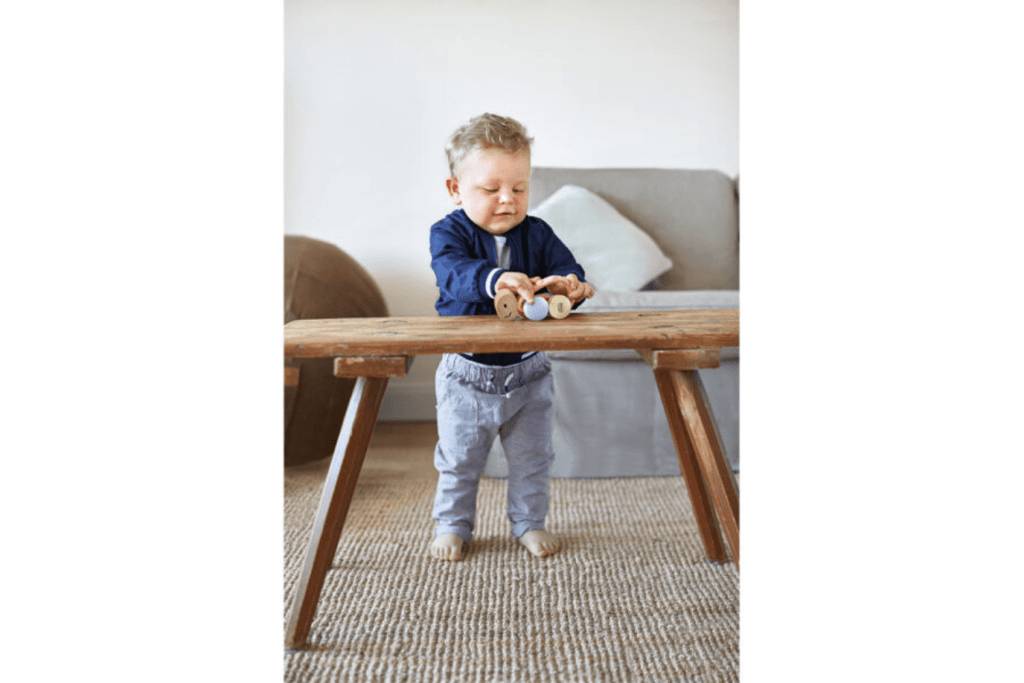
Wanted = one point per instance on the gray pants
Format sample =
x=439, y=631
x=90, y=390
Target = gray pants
x=475, y=404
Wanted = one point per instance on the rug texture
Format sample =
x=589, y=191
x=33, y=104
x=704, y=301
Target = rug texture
x=630, y=597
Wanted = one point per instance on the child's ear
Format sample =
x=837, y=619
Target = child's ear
x=453, y=189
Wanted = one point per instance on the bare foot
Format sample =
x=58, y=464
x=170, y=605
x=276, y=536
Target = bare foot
x=540, y=543
x=447, y=547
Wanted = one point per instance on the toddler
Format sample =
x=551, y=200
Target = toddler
x=487, y=245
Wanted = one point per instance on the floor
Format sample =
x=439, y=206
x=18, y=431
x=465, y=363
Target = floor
x=631, y=597
x=404, y=448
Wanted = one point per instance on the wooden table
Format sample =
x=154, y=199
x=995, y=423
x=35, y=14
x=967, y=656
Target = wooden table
x=674, y=343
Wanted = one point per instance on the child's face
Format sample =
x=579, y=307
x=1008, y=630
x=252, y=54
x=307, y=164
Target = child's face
x=493, y=187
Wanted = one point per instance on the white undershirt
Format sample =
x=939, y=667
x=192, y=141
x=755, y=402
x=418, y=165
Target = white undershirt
x=503, y=251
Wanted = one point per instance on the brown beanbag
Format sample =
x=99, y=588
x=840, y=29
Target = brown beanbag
x=320, y=281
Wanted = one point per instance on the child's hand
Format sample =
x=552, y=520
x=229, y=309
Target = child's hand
x=568, y=286
x=520, y=283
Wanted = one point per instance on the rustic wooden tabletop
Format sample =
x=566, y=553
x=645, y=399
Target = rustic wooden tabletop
x=411, y=336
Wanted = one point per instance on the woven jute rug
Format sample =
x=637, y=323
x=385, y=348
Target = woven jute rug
x=630, y=597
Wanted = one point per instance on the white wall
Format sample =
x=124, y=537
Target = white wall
x=373, y=89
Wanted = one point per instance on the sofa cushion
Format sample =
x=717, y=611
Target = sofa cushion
x=615, y=253
x=661, y=300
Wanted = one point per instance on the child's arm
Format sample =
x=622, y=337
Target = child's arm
x=568, y=286
x=569, y=278
x=461, y=273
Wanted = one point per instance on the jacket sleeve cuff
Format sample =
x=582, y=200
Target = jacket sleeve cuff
x=491, y=280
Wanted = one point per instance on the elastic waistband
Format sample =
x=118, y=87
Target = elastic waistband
x=497, y=379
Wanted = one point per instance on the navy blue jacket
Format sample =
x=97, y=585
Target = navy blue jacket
x=465, y=262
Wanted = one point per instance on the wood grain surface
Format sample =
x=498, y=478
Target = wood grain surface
x=682, y=359
x=700, y=498
x=707, y=446
x=411, y=336
x=372, y=366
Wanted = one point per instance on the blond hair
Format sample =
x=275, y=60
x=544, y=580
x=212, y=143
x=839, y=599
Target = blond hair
x=483, y=132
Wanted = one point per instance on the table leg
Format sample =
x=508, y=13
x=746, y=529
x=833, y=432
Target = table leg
x=703, y=433
x=699, y=497
x=340, y=484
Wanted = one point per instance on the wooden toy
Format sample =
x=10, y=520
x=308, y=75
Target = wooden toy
x=559, y=306
x=509, y=306
x=506, y=305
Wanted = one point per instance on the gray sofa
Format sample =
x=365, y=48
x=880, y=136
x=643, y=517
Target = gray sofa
x=609, y=420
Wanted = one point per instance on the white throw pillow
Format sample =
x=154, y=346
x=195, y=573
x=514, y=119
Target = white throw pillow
x=614, y=252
